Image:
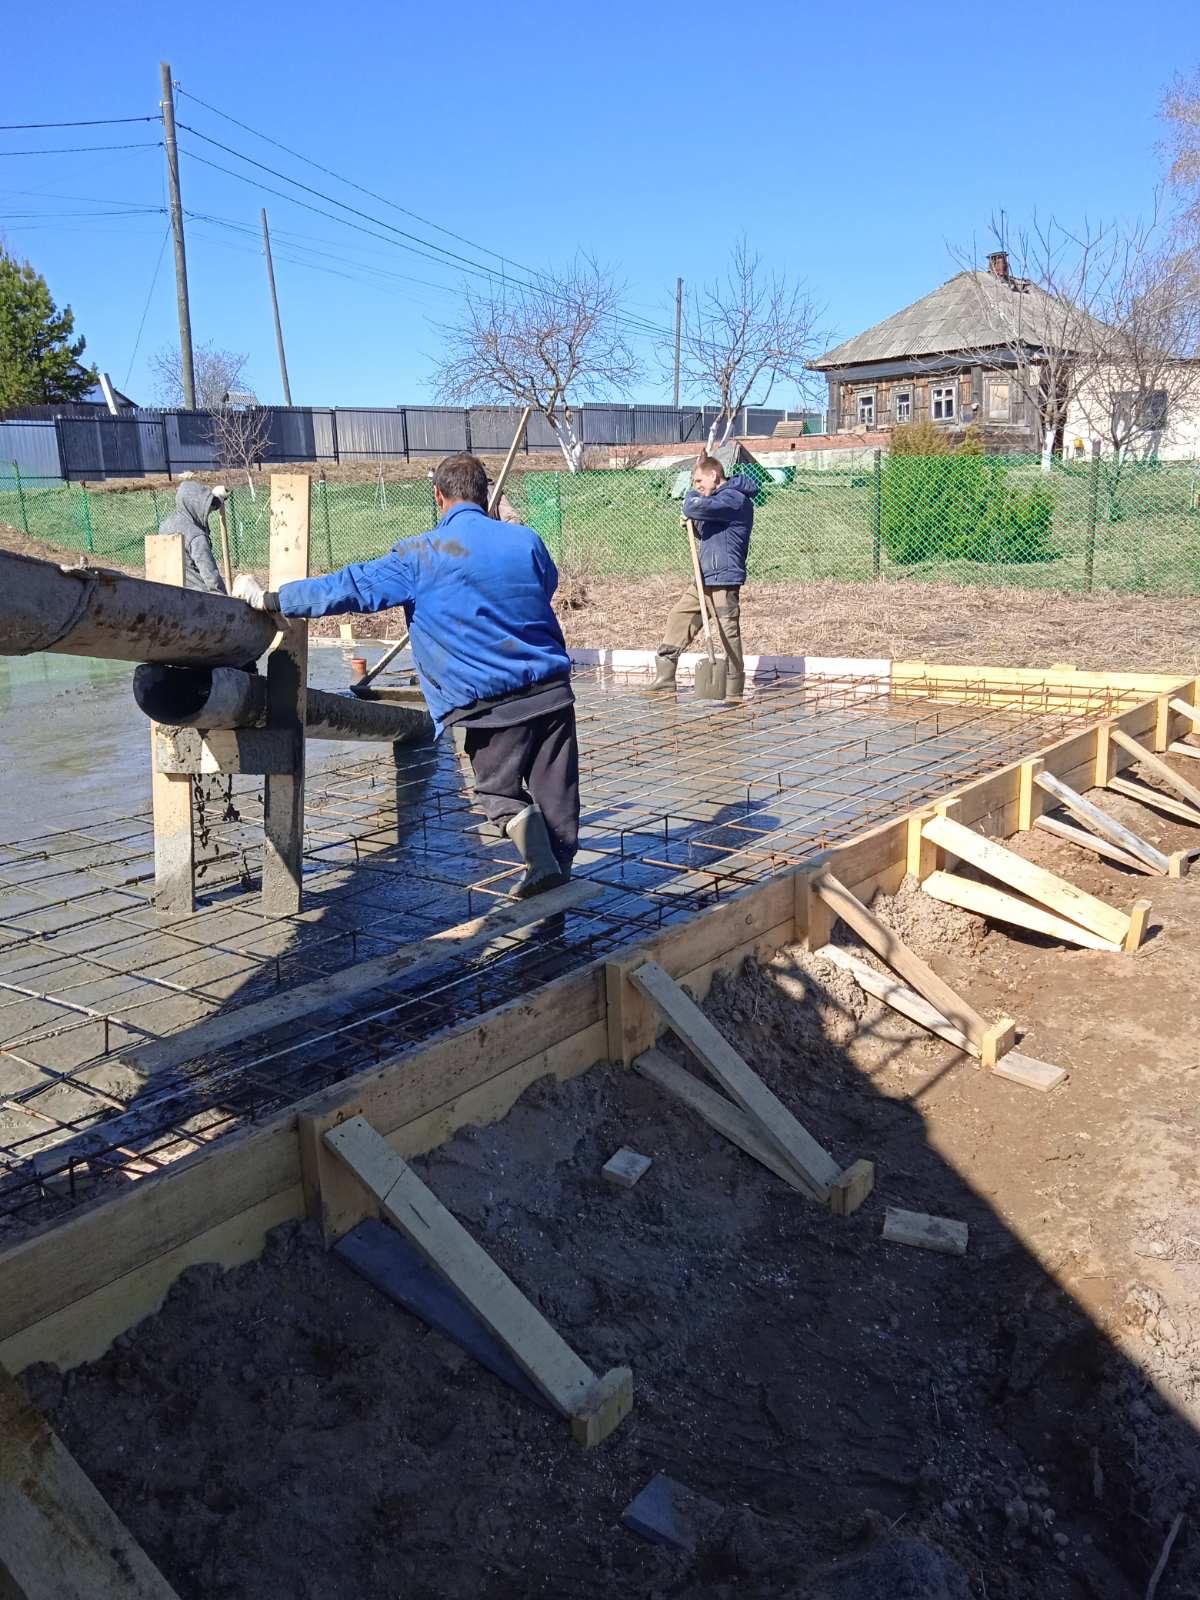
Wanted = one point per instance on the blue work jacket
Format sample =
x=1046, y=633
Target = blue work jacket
x=723, y=521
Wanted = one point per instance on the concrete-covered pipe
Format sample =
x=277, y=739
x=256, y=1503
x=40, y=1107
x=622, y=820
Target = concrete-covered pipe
x=85, y=611
x=223, y=697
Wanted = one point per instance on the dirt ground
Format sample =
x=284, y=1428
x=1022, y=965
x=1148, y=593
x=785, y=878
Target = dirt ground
x=874, y=1422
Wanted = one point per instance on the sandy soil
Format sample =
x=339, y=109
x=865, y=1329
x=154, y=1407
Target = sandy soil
x=1018, y=1424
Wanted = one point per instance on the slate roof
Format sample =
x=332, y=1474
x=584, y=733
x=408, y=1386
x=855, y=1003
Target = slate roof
x=972, y=311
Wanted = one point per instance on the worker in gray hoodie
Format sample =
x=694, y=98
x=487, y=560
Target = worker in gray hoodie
x=194, y=504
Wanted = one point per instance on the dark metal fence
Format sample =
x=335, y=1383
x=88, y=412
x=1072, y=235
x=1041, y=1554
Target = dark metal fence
x=91, y=443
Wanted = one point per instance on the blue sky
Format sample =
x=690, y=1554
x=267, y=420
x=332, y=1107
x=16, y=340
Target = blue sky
x=852, y=146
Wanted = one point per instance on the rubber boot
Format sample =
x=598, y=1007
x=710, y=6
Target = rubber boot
x=667, y=666
x=527, y=830
x=735, y=685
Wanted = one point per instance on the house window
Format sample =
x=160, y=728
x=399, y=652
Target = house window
x=941, y=402
x=903, y=405
x=999, y=407
x=1141, y=413
x=866, y=410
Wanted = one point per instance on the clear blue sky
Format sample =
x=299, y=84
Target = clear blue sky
x=850, y=144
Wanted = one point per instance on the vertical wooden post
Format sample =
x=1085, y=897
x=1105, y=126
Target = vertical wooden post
x=923, y=856
x=1104, y=763
x=1162, y=722
x=171, y=792
x=287, y=687
x=1030, y=797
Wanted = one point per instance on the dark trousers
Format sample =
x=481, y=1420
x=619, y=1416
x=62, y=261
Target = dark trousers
x=536, y=760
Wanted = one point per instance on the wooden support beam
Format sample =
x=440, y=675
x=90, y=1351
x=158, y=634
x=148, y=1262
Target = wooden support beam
x=812, y=1164
x=923, y=856
x=249, y=1021
x=1100, y=820
x=1033, y=881
x=287, y=683
x=170, y=792
x=813, y=916
x=1162, y=722
x=594, y=1406
x=1159, y=767
x=1146, y=796
x=1138, y=918
x=59, y=1538
x=720, y=1113
x=900, y=958
x=851, y=1188
x=986, y=901
x=1181, y=749
x=1104, y=757
x=1192, y=713
x=918, y=1228
x=1091, y=841
x=1029, y=796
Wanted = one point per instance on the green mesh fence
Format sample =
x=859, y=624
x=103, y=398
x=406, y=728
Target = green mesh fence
x=1132, y=527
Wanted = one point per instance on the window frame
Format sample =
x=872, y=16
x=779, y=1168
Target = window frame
x=869, y=396
x=943, y=389
x=991, y=386
x=902, y=397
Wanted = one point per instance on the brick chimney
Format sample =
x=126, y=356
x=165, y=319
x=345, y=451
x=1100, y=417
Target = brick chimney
x=998, y=265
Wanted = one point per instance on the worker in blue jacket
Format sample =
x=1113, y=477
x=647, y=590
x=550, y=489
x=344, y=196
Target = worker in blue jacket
x=490, y=654
x=723, y=513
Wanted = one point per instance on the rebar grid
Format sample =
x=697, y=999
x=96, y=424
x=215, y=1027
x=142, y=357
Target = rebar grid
x=684, y=801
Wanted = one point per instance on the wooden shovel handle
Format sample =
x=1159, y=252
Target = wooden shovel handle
x=700, y=594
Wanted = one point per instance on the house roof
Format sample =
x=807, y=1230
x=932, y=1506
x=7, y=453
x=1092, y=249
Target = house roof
x=972, y=311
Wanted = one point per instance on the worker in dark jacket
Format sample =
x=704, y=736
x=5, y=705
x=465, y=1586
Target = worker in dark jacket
x=194, y=504
x=476, y=593
x=723, y=513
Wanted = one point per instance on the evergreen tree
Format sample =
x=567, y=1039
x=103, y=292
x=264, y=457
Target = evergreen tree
x=39, y=361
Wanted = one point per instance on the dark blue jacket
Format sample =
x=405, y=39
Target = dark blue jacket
x=476, y=593
x=723, y=521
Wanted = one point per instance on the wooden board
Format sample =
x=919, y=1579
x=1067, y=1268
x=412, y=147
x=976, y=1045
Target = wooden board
x=541, y=1353
x=918, y=1228
x=59, y=1538
x=170, y=792
x=249, y=1021
x=1102, y=823
x=287, y=690
x=1034, y=881
x=987, y=901
x=1155, y=798
x=1091, y=841
x=1160, y=768
x=883, y=986
x=814, y=1165
x=898, y=956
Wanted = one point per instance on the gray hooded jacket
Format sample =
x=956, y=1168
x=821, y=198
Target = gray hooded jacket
x=194, y=504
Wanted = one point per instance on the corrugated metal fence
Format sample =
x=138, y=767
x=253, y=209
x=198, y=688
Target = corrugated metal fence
x=82, y=442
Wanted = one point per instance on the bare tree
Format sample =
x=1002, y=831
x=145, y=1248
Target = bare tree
x=1037, y=308
x=240, y=434
x=744, y=334
x=1181, y=113
x=218, y=373
x=549, y=344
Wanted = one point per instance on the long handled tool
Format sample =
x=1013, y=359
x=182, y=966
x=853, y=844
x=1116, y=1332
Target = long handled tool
x=225, y=561
x=710, y=674
x=363, y=684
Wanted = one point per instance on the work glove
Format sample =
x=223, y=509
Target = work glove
x=249, y=589
x=221, y=493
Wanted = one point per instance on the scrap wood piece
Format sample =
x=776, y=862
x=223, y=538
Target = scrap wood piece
x=851, y=1188
x=1099, y=819
x=1179, y=748
x=668, y=1512
x=594, y=1405
x=1156, y=765
x=987, y=901
x=59, y=1538
x=1145, y=795
x=1013, y=1064
x=384, y=1257
x=248, y=1021
x=625, y=1168
x=721, y=1114
x=924, y=1232
x=1092, y=841
x=813, y=1164
x=890, y=948
x=1028, y=879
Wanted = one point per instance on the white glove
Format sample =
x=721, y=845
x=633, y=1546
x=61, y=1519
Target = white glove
x=220, y=492
x=248, y=589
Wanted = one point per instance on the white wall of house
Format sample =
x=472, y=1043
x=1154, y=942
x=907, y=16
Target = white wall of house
x=1179, y=441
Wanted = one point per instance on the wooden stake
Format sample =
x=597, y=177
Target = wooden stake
x=287, y=683
x=171, y=792
x=1029, y=798
x=1137, y=925
x=1100, y=820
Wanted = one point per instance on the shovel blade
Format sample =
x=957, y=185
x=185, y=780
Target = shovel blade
x=710, y=680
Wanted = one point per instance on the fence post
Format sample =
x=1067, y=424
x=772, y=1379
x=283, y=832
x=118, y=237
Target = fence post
x=86, y=517
x=324, y=488
x=166, y=444
x=21, y=496
x=877, y=511
x=467, y=426
x=404, y=431
x=1089, y=563
x=333, y=429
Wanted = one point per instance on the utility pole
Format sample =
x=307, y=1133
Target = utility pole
x=287, y=389
x=187, y=370
x=678, y=335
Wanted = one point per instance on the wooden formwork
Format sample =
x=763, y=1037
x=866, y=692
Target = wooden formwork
x=67, y=1291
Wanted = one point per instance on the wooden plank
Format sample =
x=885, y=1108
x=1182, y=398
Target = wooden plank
x=1029, y=801
x=541, y=1353
x=1179, y=748
x=1102, y=823
x=919, y=1229
x=884, y=986
x=987, y=901
x=287, y=689
x=1191, y=712
x=1160, y=768
x=777, y=1124
x=852, y=1188
x=1028, y=879
x=719, y=1113
x=896, y=953
x=1137, y=921
x=170, y=792
x=1090, y=841
x=1147, y=796
x=59, y=1537
x=249, y=1021
x=608, y=1403
x=1029, y=1072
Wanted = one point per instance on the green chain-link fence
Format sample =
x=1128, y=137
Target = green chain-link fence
x=961, y=518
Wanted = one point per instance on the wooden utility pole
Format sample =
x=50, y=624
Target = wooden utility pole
x=287, y=389
x=678, y=335
x=187, y=370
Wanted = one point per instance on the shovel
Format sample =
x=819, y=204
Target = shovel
x=710, y=674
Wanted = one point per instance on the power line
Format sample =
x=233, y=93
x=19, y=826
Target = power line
x=146, y=308
x=84, y=149
x=94, y=122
